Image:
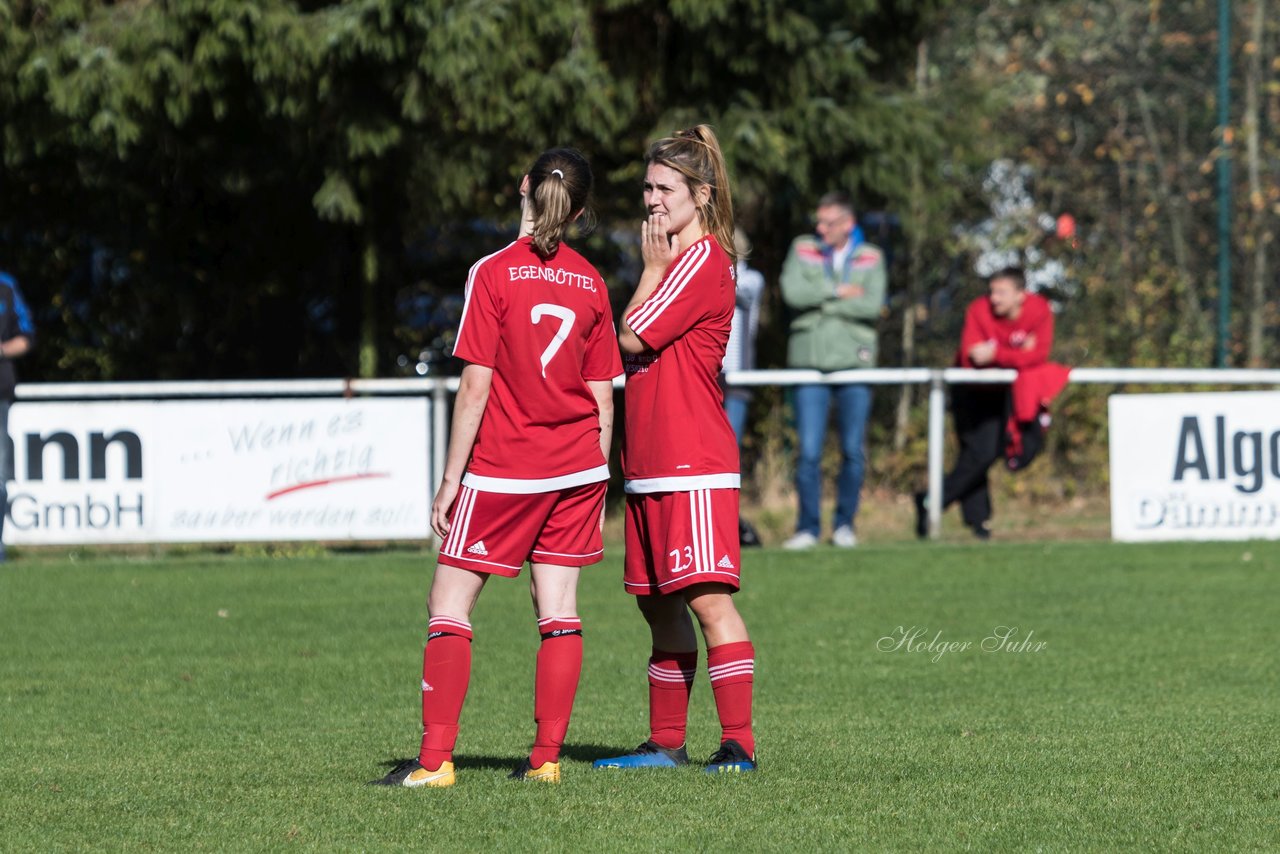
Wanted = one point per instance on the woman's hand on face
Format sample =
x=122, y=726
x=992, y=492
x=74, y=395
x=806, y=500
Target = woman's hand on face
x=658, y=248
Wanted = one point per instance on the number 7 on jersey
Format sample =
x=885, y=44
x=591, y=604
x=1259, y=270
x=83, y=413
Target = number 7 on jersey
x=566, y=317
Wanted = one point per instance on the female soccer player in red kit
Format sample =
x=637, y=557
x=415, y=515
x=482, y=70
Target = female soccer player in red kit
x=526, y=469
x=680, y=456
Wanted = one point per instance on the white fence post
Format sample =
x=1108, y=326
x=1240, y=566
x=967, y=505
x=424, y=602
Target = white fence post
x=439, y=439
x=937, y=425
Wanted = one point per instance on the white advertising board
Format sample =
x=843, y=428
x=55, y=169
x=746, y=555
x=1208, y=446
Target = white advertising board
x=219, y=471
x=1195, y=466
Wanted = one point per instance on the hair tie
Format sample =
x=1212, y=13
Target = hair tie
x=558, y=172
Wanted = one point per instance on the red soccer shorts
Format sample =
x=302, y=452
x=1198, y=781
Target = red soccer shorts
x=496, y=532
x=675, y=539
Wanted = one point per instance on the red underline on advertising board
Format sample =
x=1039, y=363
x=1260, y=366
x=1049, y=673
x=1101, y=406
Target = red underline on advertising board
x=325, y=482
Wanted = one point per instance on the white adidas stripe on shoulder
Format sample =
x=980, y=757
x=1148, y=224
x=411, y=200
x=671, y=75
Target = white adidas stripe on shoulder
x=672, y=287
x=674, y=284
x=471, y=280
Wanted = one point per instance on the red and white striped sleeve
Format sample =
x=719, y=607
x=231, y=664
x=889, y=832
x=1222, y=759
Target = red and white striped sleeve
x=480, y=328
x=682, y=298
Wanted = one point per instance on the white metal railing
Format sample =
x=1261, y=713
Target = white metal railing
x=939, y=378
x=439, y=388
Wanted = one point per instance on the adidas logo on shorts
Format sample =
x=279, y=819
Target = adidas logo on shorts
x=478, y=549
x=725, y=563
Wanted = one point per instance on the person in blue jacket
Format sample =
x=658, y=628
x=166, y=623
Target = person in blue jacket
x=17, y=336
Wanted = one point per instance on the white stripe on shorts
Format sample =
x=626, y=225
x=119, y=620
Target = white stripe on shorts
x=461, y=523
x=709, y=522
x=695, y=531
x=701, y=523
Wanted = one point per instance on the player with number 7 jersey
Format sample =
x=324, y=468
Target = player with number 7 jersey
x=527, y=468
x=545, y=327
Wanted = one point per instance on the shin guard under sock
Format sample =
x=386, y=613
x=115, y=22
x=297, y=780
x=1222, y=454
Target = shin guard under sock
x=555, y=685
x=670, y=683
x=446, y=672
x=732, y=668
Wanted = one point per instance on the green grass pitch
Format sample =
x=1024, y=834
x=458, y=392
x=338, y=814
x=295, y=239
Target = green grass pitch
x=234, y=703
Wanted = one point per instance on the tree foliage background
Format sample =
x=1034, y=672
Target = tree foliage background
x=212, y=188
x=215, y=188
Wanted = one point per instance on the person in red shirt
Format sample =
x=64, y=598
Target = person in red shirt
x=680, y=456
x=527, y=464
x=1007, y=328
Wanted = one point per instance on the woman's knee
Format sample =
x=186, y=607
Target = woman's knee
x=554, y=590
x=719, y=618
x=454, y=591
x=712, y=606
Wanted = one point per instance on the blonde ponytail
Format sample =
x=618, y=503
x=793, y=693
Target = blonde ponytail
x=559, y=187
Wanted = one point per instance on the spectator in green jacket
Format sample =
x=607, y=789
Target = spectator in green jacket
x=834, y=285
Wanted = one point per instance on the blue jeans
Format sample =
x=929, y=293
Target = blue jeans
x=735, y=406
x=812, y=404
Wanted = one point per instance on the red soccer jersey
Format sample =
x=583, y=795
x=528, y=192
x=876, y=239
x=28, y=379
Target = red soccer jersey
x=677, y=436
x=545, y=327
x=1011, y=336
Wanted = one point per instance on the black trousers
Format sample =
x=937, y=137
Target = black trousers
x=980, y=413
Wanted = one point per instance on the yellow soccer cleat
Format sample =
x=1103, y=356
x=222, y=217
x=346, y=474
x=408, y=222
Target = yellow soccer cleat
x=411, y=774
x=547, y=772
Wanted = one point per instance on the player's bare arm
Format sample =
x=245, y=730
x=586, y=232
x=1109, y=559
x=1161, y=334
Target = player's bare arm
x=468, y=409
x=602, y=391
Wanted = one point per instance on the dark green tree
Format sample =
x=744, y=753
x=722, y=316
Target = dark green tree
x=212, y=188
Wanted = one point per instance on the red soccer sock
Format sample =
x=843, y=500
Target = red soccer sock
x=556, y=683
x=732, y=668
x=670, y=683
x=446, y=672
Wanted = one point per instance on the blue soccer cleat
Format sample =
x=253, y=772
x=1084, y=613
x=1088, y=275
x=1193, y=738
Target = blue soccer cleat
x=730, y=759
x=647, y=755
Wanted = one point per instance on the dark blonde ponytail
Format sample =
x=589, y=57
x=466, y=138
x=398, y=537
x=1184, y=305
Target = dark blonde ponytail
x=695, y=153
x=559, y=187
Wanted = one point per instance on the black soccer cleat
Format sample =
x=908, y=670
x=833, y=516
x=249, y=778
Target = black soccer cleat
x=730, y=759
x=547, y=772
